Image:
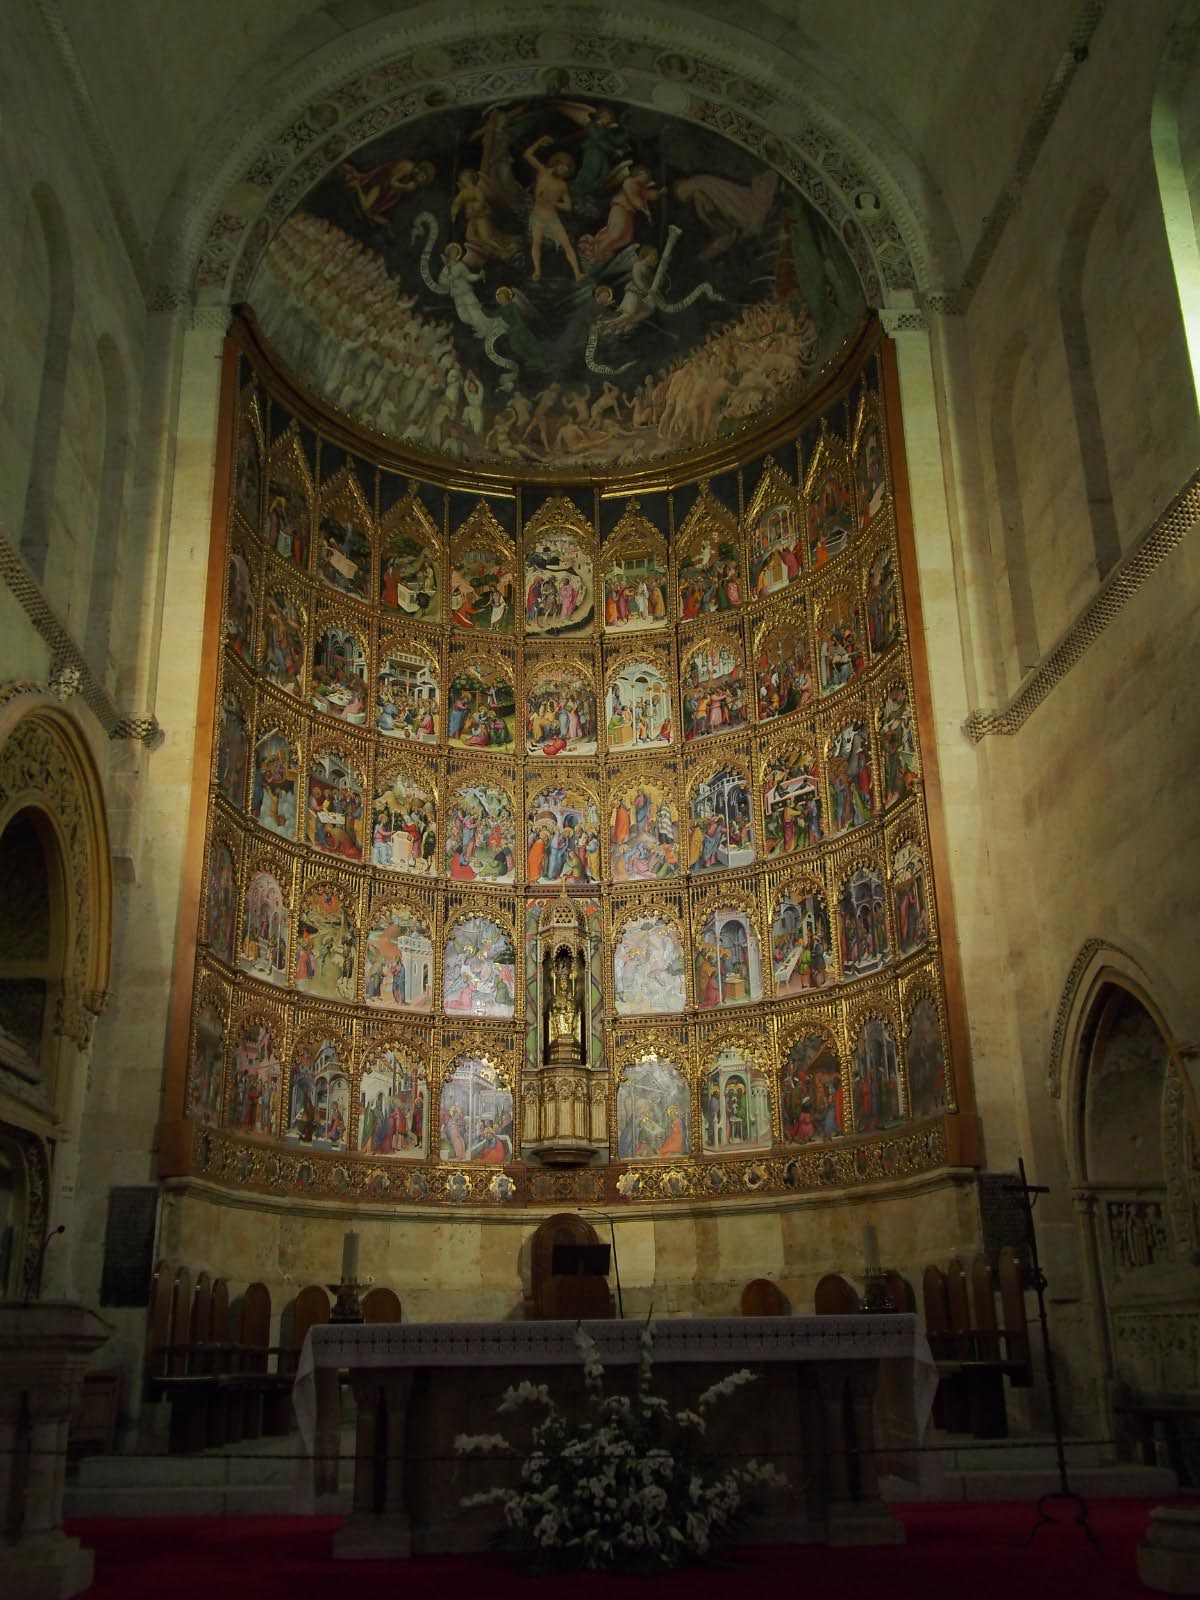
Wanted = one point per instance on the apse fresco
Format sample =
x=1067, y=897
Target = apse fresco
x=450, y=702
x=571, y=284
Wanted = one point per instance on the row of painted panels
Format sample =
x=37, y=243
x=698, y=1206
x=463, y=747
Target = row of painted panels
x=737, y=1103
x=663, y=957
x=579, y=826
x=383, y=543
x=798, y=654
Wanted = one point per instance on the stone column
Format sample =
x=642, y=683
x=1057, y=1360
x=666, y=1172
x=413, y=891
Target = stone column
x=45, y=1349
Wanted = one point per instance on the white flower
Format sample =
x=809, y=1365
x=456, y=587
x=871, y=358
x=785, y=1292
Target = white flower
x=468, y=1443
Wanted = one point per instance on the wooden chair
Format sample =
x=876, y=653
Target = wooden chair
x=169, y=1358
x=899, y=1291
x=309, y=1308
x=554, y=1295
x=835, y=1296
x=381, y=1305
x=762, y=1298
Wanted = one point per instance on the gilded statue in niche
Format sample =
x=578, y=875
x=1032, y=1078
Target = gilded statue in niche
x=564, y=1009
x=475, y=1113
x=568, y=284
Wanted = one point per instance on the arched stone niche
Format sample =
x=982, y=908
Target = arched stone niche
x=54, y=958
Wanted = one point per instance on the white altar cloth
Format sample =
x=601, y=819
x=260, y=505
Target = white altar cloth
x=902, y=1405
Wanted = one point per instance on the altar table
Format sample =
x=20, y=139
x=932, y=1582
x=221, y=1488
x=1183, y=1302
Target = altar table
x=837, y=1399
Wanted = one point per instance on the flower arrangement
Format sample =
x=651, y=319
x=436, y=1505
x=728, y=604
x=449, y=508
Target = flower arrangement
x=624, y=1486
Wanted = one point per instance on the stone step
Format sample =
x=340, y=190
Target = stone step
x=195, y=1500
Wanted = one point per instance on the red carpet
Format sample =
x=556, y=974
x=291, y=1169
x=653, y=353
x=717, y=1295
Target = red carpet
x=954, y=1552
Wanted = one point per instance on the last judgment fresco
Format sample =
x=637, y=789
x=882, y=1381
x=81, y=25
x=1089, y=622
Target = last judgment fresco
x=562, y=284
x=446, y=710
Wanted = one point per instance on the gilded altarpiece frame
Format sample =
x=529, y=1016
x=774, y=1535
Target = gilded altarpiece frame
x=330, y=551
